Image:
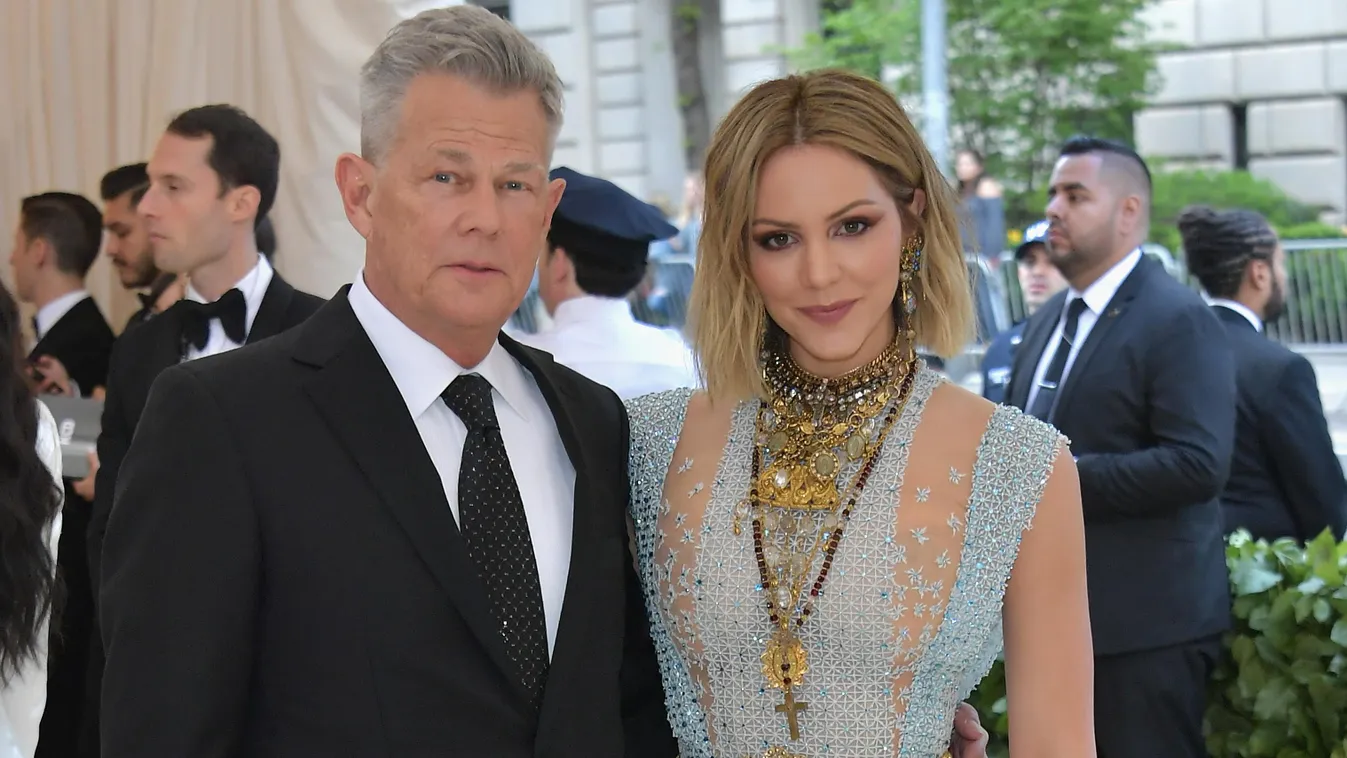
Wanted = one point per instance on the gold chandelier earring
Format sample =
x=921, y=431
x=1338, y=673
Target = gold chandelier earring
x=907, y=282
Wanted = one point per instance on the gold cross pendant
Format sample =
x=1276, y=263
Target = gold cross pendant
x=792, y=710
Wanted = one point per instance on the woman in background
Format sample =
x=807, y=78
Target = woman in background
x=981, y=207
x=30, y=526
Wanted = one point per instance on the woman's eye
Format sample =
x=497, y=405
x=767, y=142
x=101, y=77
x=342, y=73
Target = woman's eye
x=775, y=241
x=853, y=227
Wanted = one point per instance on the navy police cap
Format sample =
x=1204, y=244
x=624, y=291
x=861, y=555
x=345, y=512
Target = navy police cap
x=599, y=220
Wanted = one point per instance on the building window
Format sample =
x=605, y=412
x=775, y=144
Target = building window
x=1239, y=135
x=499, y=7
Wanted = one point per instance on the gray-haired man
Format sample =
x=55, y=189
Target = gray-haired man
x=414, y=544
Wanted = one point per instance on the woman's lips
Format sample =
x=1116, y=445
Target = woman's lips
x=828, y=314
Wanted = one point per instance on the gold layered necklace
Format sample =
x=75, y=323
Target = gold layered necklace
x=799, y=498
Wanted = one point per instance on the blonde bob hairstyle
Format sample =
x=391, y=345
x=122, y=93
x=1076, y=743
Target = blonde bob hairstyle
x=727, y=320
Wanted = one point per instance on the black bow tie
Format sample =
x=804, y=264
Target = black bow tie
x=231, y=309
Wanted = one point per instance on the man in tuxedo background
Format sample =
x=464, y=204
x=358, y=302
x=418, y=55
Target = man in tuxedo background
x=1132, y=366
x=128, y=240
x=1285, y=479
x=55, y=244
x=213, y=173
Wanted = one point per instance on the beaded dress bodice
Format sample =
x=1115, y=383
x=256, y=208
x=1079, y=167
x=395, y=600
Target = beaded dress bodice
x=909, y=620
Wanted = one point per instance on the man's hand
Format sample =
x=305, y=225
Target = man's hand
x=85, y=487
x=969, y=739
x=52, y=378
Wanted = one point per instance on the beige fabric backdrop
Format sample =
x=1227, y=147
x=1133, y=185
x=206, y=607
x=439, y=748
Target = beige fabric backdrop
x=90, y=84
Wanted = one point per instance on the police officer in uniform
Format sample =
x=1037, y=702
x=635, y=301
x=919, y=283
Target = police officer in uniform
x=1039, y=280
x=596, y=256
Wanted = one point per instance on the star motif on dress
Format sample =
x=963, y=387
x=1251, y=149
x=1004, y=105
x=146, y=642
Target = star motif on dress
x=680, y=519
x=955, y=524
x=695, y=489
x=955, y=475
x=942, y=561
x=923, y=494
x=919, y=534
x=685, y=465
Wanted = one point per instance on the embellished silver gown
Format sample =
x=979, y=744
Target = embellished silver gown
x=909, y=620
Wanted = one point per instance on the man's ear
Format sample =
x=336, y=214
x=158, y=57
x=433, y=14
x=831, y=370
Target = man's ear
x=244, y=202
x=355, y=183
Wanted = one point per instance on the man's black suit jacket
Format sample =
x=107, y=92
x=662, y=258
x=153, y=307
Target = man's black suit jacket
x=1149, y=406
x=1285, y=479
x=283, y=575
x=82, y=341
x=138, y=358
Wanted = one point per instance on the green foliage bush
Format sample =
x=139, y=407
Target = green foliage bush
x=1281, y=690
x=1176, y=190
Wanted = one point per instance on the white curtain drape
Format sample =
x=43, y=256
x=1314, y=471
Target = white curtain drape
x=90, y=84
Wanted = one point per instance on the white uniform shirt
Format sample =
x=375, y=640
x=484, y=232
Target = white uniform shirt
x=599, y=338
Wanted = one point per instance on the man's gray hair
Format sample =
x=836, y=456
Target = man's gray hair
x=462, y=40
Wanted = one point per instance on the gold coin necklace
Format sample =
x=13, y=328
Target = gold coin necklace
x=784, y=573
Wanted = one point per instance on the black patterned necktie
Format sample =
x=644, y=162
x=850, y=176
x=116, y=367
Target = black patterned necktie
x=492, y=521
x=1052, y=378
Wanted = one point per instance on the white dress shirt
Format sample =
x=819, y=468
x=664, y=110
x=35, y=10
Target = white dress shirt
x=1097, y=297
x=599, y=338
x=543, y=470
x=47, y=316
x=254, y=288
x=1239, y=308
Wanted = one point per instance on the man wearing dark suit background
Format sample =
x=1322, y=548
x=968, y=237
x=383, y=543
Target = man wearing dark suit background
x=1133, y=367
x=212, y=175
x=56, y=243
x=1285, y=479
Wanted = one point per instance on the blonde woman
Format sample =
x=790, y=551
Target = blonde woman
x=830, y=536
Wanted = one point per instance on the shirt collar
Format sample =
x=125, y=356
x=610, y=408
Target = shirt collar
x=47, y=316
x=592, y=308
x=253, y=285
x=1239, y=308
x=422, y=371
x=1098, y=295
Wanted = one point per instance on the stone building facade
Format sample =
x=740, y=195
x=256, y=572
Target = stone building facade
x=614, y=56
x=1258, y=84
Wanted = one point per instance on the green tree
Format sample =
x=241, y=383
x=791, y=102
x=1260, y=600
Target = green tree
x=1023, y=74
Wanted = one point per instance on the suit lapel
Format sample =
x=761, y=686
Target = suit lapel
x=581, y=577
x=1103, y=327
x=270, y=319
x=357, y=397
x=1036, y=334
